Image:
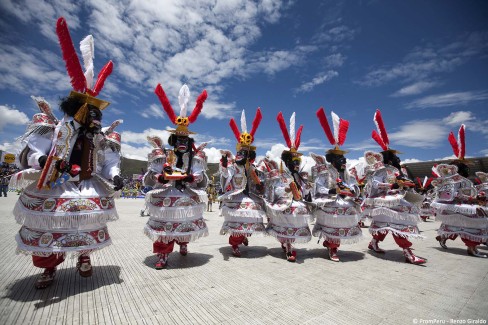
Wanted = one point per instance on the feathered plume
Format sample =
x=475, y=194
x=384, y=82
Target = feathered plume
x=454, y=144
x=256, y=122
x=343, y=127
x=87, y=49
x=165, y=102
x=112, y=126
x=156, y=142
x=235, y=129
x=45, y=108
x=380, y=125
x=298, y=137
x=201, y=146
x=243, y=122
x=281, y=122
x=183, y=98
x=462, y=142
x=335, y=122
x=292, y=128
x=378, y=140
x=325, y=125
x=198, y=107
x=73, y=66
x=102, y=76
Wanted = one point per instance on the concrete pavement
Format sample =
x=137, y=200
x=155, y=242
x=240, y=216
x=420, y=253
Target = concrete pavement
x=210, y=286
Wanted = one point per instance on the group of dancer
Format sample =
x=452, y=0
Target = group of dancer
x=71, y=174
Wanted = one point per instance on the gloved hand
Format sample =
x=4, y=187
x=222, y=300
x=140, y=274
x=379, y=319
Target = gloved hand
x=42, y=161
x=63, y=166
x=118, y=182
x=394, y=186
x=189, y=178
x=224, y=161
x=332, y=191
x=160, y=178
x=167, y=169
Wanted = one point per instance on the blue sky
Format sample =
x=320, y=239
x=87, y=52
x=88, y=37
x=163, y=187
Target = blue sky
x=424, y=64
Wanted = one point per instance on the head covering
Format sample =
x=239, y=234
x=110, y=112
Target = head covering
x=292, y=140
x=82, y=82
x=42, y=123
x=158, y=151
x=340, y=131
x=381, y=137
x=111, y=135
x=181, y=121
x=244, y=139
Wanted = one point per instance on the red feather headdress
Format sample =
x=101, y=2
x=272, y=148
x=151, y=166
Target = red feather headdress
x=292, y=140
x=181, y=121
x=82, y=88
x=458, y=145
x=245, y=139
x=340, y=130
x=381, y=136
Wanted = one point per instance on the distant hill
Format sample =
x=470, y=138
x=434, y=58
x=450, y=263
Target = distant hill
x=133, y=166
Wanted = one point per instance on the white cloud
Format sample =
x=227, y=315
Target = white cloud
x=458, y=118
x=11, y=116
x=154, y=110
x=318, y=80
x=449, y=99
x=419, y=134
x=415, y=89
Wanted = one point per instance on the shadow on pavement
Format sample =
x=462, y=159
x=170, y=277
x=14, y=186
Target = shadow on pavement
x=177, y=261
x=246, y=252
x=344, y=255
x=68, y=283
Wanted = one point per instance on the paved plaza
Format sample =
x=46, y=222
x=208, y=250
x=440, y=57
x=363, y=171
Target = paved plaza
x=210, y=286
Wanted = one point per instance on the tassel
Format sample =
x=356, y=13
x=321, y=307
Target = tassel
x=198, y=107
x=281, y=122
x=235, y=129
x=325, y=125
x=165, y=102
x=73, y=66
x=81, y=114
x=102, y=76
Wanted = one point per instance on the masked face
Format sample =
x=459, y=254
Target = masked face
x=340, y=163
x=394, y=161
x=294, y=166
x=182, y=144
x=241, y=157
x=93, y=120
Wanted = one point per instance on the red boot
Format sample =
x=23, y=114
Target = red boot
x=46, y=278
x=84, y=266
x=472, y=251
x=411, y=258
x=291, y=256
x=235, y=251
x=333, y=254
x=161, y=263
x=373, y=245
x=183, y=249
x=442, y=241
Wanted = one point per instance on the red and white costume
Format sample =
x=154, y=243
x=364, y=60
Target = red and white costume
x=177, y=202
x=242, y=206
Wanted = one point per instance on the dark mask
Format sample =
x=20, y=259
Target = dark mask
x=93, y=120
x=182, y=144
x=241, y=157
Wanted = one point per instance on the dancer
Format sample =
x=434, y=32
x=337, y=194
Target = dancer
x=179, y=197
x=242, y=206
x=385, y=198
x=335, y=190
x=286, y=194
x=66, y=210
x=425, y=189
x=457, y=201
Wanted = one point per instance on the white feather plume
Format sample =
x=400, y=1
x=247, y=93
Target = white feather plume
x=335, y=122
x=183, y=98
x=292, y=129
x=425, y=181
x=87, y=49
x=243, y=122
